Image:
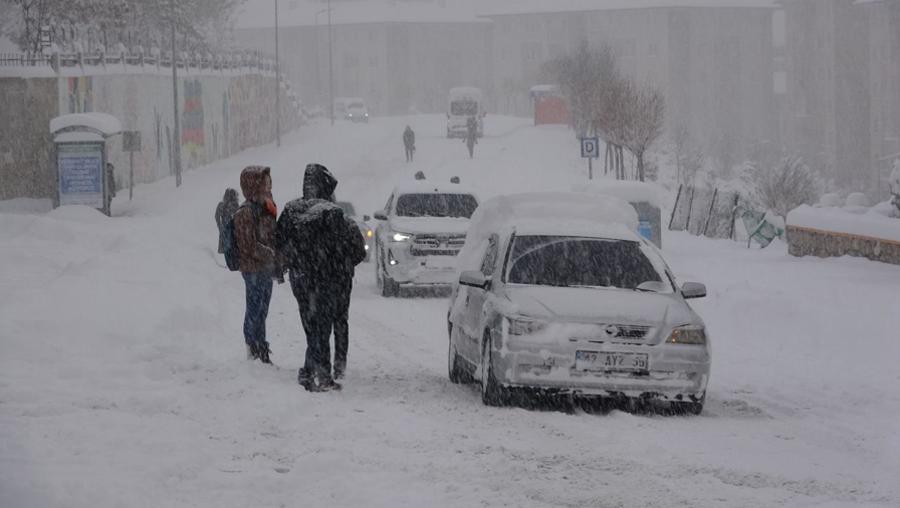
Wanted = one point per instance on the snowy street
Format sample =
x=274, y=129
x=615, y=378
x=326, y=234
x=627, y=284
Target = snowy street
x=123, y=378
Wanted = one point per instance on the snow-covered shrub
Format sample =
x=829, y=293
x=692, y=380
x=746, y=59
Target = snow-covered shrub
x=895, y=186
x=857, y=199
x=830, y=199
x=784, y=186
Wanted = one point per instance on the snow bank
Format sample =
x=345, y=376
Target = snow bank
x=26, y=205
x=870, y=224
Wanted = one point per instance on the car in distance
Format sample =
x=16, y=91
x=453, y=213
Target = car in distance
x=420, y=231
x=367, y=232
x=552, y=298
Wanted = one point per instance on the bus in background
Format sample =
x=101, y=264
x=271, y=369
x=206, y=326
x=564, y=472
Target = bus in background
x=464, y=102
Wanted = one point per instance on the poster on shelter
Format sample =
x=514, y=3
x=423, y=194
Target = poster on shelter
x=80, y=174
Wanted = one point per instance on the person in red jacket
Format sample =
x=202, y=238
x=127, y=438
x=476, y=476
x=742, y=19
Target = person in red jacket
x=254, y=232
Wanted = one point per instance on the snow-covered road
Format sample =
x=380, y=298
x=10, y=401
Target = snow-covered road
x=123, y=381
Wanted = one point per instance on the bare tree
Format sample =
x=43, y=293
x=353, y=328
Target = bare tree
x=644, y=113
x=689, y=159
x=787, y=185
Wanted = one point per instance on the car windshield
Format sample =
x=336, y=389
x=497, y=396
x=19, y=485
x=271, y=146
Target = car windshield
x=464, y=108
x=356, y=105
x=436, y=205
x=579, y=262
x=347, y=207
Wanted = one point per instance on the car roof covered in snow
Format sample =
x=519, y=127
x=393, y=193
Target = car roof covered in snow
x=547, y=213
x=631, y=191
x=431, y=187
x=575, y=228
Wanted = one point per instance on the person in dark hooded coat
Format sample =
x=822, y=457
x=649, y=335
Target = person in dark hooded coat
x=224, y=211
x=321, y=248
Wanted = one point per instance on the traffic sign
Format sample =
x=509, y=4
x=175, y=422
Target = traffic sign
x=590, y=148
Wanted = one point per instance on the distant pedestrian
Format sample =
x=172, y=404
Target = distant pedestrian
x=110, y=176
x=321, y=248
x=224, y=211
x=471, y=138
x=409, y=143
x=254, y=231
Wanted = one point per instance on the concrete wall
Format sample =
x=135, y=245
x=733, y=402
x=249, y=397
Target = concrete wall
x=811, y=242
x=221, y=114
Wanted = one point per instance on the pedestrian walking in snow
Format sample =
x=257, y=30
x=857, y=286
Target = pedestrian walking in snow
x=321, y=248
x=409, y=143
x=110, y=175
x=254, y=232
x=224, y=211
x=471, y=138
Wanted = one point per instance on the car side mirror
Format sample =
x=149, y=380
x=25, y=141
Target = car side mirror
x=473, y=278
x=366, y=218
x=380, y=216
x=693, y=290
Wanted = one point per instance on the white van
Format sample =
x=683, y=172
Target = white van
x=464, y=102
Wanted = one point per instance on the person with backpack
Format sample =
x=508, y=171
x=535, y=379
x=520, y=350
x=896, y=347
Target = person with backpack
x=252, y=232
x=321, y=248
x=409, y=143
x=224, y=211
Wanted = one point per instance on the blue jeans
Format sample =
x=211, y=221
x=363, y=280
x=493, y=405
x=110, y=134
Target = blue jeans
x=259, y=293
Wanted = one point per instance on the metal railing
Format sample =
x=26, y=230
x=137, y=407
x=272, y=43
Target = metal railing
x=238, y=60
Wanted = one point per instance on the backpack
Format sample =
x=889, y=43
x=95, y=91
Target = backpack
x=232, y=255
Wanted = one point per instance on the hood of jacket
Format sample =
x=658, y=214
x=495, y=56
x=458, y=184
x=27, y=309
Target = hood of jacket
x=231, y=196
x=318, y=183
x=253, y=180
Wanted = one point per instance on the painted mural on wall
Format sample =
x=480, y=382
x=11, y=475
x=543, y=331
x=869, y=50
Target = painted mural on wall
x=81, y=94
x=193, y=134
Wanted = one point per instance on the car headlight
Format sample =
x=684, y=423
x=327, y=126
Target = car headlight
x=401, y=237
x=687, y=335
x=521, y=326
x=369, y=233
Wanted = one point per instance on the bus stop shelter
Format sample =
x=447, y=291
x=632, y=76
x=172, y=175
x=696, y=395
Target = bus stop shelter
x=80, y=154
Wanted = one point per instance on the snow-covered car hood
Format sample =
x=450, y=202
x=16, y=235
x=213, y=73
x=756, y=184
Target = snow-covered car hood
x=588, y=305
x=436, y=225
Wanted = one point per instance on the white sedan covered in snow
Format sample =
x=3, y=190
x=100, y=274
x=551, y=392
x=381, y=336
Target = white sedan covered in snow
x=558, y=294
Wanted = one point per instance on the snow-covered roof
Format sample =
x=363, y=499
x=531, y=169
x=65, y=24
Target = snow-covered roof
x=77, y=137
x=429, y=187
x=105, y=124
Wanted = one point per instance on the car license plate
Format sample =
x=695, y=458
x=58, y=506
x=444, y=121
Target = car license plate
x=593, y=360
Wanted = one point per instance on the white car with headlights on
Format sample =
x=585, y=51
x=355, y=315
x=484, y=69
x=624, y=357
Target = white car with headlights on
x=558, y=294
x=363, y=222
x=419, y=234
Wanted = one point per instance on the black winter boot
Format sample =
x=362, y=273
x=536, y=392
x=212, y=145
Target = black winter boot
x=252, y=351
x=263, y=352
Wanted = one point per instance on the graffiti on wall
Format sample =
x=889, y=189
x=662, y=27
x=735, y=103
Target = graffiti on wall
x=81, y=94
x=193, y=136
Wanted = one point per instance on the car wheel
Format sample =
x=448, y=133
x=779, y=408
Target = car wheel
x=492, y=394
x=388, y=287
x=455, y=373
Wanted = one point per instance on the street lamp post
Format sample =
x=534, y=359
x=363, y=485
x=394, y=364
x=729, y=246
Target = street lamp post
x=318, y=66
x=176, y=142
x=330, y=65
x=277, y=84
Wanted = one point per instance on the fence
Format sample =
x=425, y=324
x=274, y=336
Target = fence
x=251, y=60
x=705, y=212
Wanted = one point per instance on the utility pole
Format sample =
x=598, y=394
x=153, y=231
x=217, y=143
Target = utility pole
x=176, y=142
x=330, y=65
x=277, y=84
